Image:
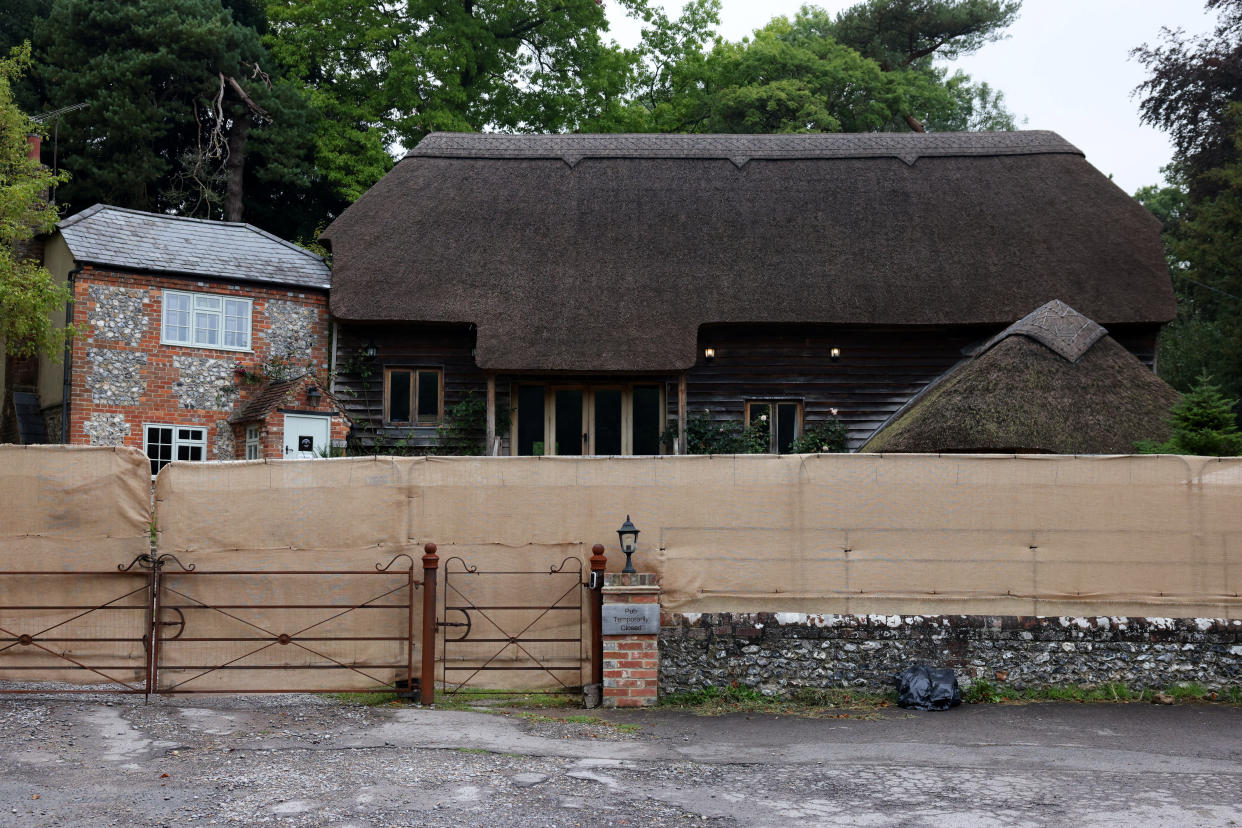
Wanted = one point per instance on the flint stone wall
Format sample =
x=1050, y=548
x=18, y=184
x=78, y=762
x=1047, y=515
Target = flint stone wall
x=777, y=653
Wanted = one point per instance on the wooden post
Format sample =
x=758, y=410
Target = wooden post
x=598, y=562
x=491, y=415
x=427, y=681
x=681, y=414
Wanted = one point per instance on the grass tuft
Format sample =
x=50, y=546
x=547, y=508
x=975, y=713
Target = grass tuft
x=804, y=701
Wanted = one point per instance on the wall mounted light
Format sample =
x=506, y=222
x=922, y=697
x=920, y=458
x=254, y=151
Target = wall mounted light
x=835, y=353
x=313, y=395
x=709, y=354
x=370, y=350
x=628, y=533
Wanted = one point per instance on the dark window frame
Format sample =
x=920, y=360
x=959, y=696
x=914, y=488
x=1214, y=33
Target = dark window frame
x=417, y=374
x=773, y=405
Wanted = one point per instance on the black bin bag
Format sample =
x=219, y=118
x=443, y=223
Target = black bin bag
x=927, y=688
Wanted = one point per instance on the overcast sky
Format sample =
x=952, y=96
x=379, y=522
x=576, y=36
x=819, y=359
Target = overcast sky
x=1064, y=67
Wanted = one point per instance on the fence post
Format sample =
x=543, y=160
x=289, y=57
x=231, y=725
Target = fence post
x=598, y=562
x=427, y=682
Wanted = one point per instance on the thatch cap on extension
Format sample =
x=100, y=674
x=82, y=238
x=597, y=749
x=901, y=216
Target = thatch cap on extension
x=1057, y=327
x=607, y=252
x=1028, y=392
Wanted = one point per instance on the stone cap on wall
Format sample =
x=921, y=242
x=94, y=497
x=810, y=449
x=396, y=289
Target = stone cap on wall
x=631, y=582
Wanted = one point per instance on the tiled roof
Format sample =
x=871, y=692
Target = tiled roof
x=119, y=237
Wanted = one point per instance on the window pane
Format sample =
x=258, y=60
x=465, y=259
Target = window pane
x=176, y=318
x=530, y=420
x=760, y=412
x=236, y=324
x=647, y=419
x=786, y=426
x=608, y=421
x=428, y=396
x=206, y=328
x=568, y=422
x=207, y=303
x=399, y=396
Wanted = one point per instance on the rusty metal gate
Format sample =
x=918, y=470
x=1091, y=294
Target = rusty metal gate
x=146, y=635
x=485, y=630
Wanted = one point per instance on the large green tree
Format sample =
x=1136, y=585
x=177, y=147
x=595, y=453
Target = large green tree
x=394, y=72
x=1195, y=94
x=28, y=294
x=870, y=68
x=186, y=113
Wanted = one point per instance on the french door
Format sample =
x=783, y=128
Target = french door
x=581, y=419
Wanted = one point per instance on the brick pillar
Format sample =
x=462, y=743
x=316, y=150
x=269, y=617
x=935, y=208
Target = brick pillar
x=631, y=650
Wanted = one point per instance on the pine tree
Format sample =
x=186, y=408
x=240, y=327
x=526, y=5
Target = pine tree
x=1203, y=423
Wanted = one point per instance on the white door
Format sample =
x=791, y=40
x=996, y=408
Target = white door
x=306, y=437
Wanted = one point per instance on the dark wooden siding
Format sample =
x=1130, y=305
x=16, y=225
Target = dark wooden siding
x=360, y=382
x=877, y=373
x=1139, y=340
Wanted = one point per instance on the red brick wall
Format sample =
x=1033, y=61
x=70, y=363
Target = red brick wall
x=631, y=662
x=159, y=402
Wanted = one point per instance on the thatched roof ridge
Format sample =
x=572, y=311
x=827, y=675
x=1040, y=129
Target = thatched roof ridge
x=907, y=146
x=1021, y=395
x=606, y=253
x=1057, y=327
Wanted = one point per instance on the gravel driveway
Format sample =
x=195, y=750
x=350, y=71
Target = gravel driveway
x=308, y=760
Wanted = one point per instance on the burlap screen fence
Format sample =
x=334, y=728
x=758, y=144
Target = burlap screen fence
x=910, y=534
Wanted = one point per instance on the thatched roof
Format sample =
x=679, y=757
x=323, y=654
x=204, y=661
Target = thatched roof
x=607, y=252
x=1052, y=382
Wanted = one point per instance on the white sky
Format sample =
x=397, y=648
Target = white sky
x=1065, y=67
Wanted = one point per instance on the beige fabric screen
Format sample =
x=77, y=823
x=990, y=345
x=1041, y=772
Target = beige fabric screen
x=912, y=534
x=73, y=509
x=1028, y=535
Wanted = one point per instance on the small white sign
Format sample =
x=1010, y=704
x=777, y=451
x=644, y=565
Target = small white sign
x=631, y=619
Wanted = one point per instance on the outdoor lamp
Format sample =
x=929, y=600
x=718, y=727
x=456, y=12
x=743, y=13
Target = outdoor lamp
x=835, y=353
x=313, y=394
x=709, y=354
x=370, y=350
x=628, y=534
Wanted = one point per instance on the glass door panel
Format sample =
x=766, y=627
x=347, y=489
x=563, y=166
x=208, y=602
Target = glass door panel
x=569, y=421
x=530, y=420
x=608, y=429
x=647, y=420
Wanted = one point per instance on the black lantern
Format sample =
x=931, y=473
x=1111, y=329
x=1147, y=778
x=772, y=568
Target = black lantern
x=370, y=350
x=313, y=394
x=628, y=533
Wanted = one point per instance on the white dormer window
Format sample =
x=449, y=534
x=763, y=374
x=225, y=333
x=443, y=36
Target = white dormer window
x=206, y=320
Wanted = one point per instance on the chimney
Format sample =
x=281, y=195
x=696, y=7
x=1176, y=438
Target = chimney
x=34, y=147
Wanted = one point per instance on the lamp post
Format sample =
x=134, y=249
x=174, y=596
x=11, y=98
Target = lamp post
x=628, y=533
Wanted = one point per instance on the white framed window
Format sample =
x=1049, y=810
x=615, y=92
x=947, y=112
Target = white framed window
x=206, y=320
x=253, y=452
x=165, y=443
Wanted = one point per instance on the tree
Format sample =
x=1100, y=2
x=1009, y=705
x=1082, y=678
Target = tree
x=515, y=65
x=820, y=74
x=186, y=112
x=1203, y=424
x=1192, y=87
x=28, y=293
x=1194, y=93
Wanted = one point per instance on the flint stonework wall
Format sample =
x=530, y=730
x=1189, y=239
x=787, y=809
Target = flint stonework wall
x=124, y=377
x=777, y=653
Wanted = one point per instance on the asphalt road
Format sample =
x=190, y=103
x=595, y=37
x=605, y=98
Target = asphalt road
x=303, y=760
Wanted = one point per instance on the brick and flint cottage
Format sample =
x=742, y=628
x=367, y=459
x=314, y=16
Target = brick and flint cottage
x=594, y=291
x=195, y=340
